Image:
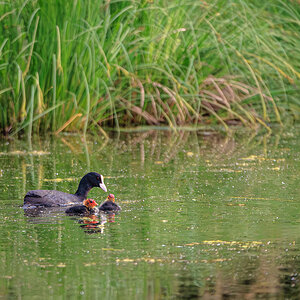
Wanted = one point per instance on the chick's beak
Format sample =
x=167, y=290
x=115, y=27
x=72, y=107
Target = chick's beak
x=103, y=187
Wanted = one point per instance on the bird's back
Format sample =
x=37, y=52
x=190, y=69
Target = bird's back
x=50, y=198
x=109, y=206
x=79, y=209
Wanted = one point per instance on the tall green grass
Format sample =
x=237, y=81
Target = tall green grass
x=127, y=63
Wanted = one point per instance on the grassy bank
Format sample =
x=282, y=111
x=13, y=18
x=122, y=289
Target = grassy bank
x=78, y=65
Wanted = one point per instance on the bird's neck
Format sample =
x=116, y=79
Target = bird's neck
x=83, y=188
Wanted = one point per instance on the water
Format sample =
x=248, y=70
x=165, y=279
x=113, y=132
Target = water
x=203, y=216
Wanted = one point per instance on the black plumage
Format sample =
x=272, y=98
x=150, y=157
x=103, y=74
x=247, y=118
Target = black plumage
x=49, y=198
x=88, y=207
x=109, y=205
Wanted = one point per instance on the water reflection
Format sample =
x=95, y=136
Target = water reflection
x=95, y=224
x=43, y=214
x=205, y=216
x=187, y=287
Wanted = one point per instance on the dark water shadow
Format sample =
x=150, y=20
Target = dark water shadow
x=40, y=215
x=91, y=223
x=94, y=224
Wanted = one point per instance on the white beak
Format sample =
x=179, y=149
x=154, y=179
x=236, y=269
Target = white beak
x=103, y=187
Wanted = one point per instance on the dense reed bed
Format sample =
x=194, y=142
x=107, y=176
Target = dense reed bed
x=79, y=65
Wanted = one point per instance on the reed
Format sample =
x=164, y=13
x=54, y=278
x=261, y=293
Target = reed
x=126, y=63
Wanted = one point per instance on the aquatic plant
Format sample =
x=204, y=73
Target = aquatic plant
x=74, y=65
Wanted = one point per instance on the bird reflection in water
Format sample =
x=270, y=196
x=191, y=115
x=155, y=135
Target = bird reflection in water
x=95, y=224
x=91, y=223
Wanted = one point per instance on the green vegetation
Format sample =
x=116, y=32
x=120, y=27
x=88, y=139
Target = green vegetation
x=73, y=65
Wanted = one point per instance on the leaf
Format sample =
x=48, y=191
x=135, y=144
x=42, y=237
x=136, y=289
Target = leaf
x=59, y=179
x=61, y=265
x=111, y=249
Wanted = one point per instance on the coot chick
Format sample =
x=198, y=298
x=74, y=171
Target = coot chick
x=109, y=205
x=48, y=198
x=87, y=208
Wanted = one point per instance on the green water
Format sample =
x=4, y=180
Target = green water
x=203, y=216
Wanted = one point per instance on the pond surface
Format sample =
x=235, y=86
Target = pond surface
x=203, y=216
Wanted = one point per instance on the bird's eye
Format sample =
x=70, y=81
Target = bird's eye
x=98, y=178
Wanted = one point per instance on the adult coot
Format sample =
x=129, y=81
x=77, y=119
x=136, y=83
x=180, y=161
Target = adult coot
x=48, y=198
x=109, y=204
x=87, y=208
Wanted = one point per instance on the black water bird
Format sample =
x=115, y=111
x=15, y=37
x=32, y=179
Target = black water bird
x=50, y=198
x=88, y=208
x=109, y=205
